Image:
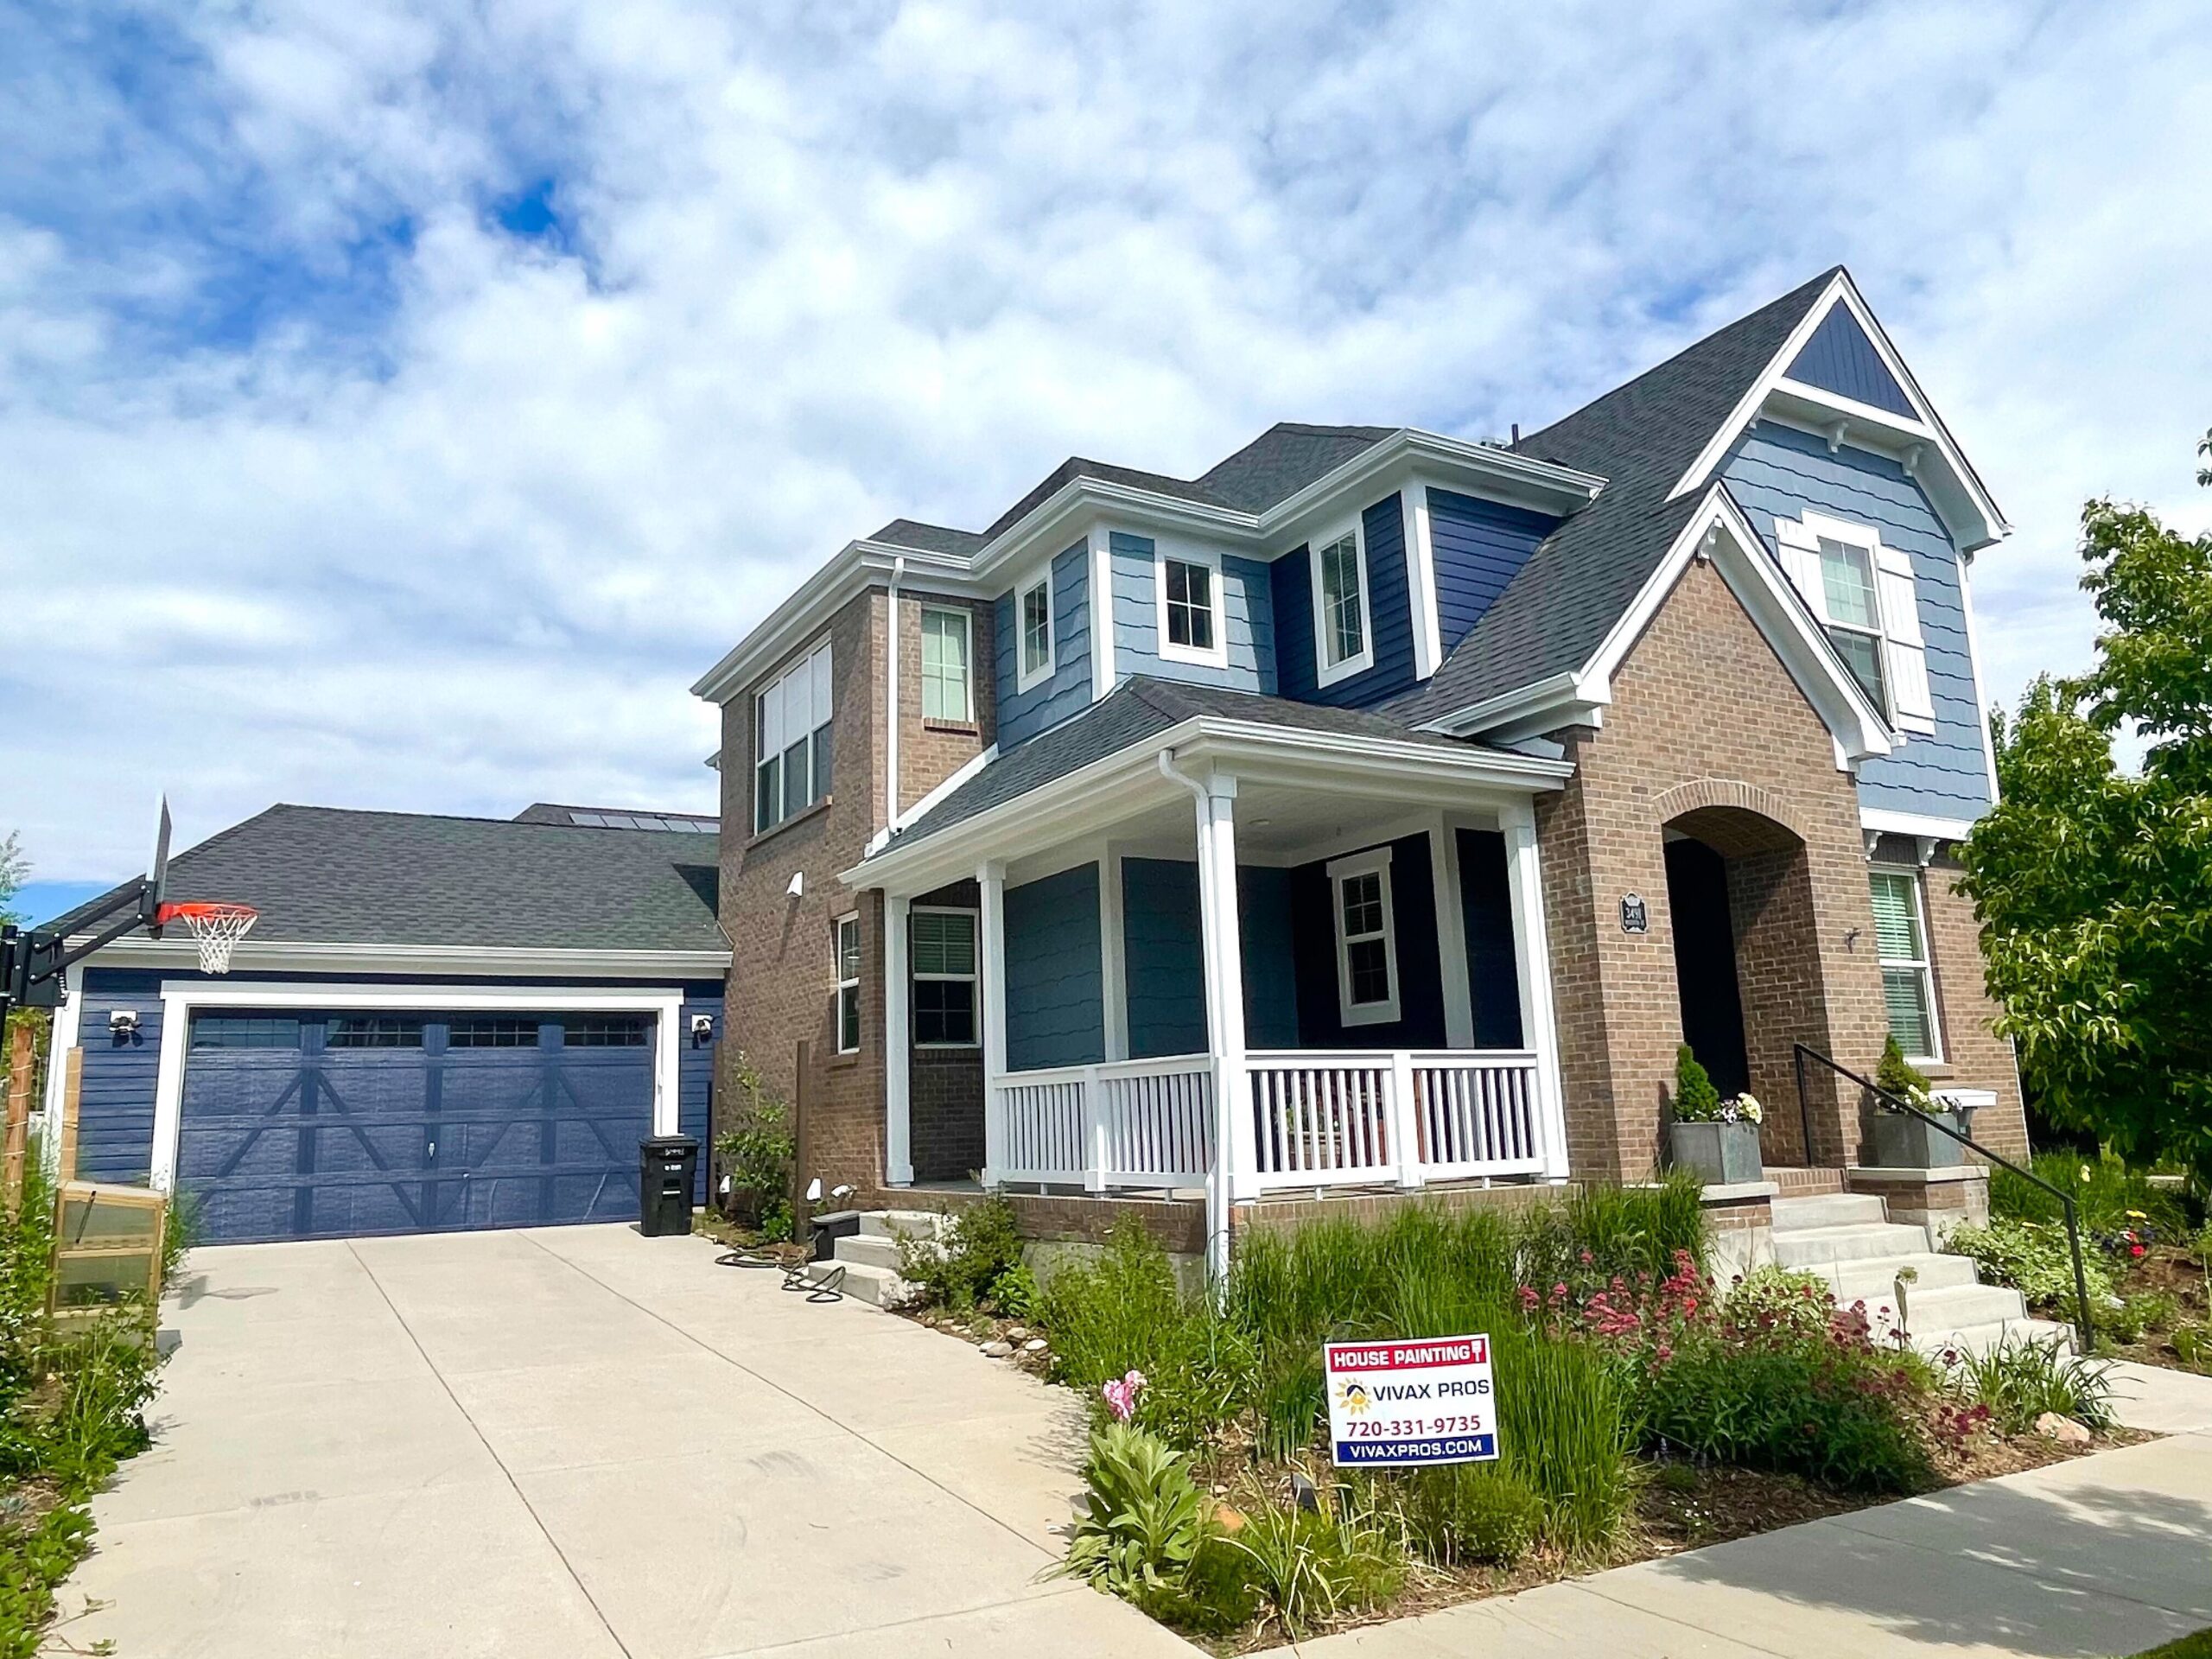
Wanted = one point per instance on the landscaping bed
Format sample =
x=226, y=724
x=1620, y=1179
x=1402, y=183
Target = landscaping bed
x=1640, y=1410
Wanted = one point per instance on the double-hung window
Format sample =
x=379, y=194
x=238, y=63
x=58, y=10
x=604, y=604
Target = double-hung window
x=1032, y=623
x=1340, y=609
x=947, y=639
x=943, y=944
x=1367, y=945
x=1854, y=613
x=846, y=944
x=1190, y=611
x=791, y=752
x=1901, y=943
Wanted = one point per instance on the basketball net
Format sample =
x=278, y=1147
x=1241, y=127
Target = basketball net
x=215, y=929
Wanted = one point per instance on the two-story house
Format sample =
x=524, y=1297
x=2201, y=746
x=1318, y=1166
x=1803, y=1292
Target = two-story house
x=1414, y=796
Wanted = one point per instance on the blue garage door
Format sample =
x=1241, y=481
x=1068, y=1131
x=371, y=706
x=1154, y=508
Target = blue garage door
x=319, y=1125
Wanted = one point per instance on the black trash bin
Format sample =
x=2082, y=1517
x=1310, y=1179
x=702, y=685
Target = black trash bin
x=668, y=1170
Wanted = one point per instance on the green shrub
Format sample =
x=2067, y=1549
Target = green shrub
x=1472, y=1513
x=1143, y=1515
x=1776, y=1303
x=2192, y=1344
x=1215, y=1596
x=1309, y=1565
x=1425, y=1271
x=1105, y=1316
x=979, y=1251
x=757, y=1152
x=2033, y=1258
x=2136, y=1316
x=1896, y=1076
x=1695, y=1098
x=2020, y=1380
x=2107, y=1195
x=1565, y=1423
x=1289, y=1400
x=1605, y=1230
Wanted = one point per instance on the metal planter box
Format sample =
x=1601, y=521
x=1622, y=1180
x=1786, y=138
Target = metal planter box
x=1724, y=1154
x=1903, y=1141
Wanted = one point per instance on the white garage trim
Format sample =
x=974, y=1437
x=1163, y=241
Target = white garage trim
x=181, y=997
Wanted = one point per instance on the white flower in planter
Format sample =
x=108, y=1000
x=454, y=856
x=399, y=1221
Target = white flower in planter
x=1743, y=1109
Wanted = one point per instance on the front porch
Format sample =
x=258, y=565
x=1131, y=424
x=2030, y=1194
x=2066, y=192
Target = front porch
x=1345, y=938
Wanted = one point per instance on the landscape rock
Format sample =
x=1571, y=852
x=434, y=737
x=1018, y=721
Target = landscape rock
x=2064, y=1430
x=1034, y=1346
x=1016, y=1332
x=997, y=1350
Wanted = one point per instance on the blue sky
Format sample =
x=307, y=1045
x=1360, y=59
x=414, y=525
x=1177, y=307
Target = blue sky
x=400, y=404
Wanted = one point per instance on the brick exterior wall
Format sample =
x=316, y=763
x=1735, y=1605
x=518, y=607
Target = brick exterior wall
x=1706, y=731
x=782, y=989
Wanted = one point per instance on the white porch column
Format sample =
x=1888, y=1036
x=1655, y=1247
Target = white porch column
x=991, y=877
x=898, y=1046
x=1532, y=956
x=1113, y=964
x=1224, y=974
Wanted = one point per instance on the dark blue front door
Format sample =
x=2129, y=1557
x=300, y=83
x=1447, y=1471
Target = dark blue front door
x=324, y=1124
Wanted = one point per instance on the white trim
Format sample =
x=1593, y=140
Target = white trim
x=1375, y=862
x=1883, y=822
x=65, y=1035
x=1532, y=960
x=897, y=1054
x=1326, y=674
x=1969, y=513
x=1924, y=965
x=308, y=957
x=837, y=926
x=1113, y=953
x=182, y=998
x=967, y=621
x=967, y=769
x=1451, y=934
x=1100, y=605
x=1198, y=557
x=990, y=1007
x=1973, y=662
x=890, y=780
x=1420, y=578
x=1025, y=677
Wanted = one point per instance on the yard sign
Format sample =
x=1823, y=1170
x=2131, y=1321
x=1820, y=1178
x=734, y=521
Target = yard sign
x=1402, y=1405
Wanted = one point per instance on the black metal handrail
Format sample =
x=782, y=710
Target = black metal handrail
x=2082, y=1324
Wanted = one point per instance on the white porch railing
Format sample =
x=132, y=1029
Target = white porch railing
x=1319, y=1119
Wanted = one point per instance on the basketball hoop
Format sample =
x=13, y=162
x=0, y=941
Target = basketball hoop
x=215, y=928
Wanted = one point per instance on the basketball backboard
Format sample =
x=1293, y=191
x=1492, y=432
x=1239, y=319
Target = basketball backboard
x=157, y=873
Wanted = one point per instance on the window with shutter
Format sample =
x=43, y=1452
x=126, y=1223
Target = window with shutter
x=1903, y=650
x=1862, y=592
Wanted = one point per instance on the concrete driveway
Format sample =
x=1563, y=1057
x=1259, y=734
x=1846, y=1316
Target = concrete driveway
x=575, y=1442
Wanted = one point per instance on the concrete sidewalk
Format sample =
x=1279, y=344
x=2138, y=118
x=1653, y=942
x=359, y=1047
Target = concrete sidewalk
x=2105, y=1555
x=576, y=1443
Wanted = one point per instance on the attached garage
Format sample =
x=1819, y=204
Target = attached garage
x=438, y=1084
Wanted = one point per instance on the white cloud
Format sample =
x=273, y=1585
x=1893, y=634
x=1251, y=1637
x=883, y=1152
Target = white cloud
x=321, y=486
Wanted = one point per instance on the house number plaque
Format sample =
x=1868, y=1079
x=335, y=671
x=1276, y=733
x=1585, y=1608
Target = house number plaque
x=1635, y=918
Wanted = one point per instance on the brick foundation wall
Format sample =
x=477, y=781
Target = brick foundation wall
x=1705, y=729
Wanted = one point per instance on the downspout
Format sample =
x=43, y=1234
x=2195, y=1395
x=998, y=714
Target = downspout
x=1218, y=1173
x=890, y=702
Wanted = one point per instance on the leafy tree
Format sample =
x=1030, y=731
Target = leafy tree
x=14, y=866
x=2094, y=886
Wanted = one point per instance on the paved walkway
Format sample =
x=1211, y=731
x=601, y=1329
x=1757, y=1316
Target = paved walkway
x=576, y=1443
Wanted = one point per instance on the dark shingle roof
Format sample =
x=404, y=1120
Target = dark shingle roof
x=1284, y=460
x=928, y=538
x=1077, y=467
x=1139, y=709
x=1641, y=437
x=323, y=875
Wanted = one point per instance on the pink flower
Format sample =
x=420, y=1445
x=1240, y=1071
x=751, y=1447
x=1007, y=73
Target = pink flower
x=1121, y=1396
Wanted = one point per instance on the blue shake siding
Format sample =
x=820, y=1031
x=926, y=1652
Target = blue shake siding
x=1247, y=616
x=1022, y=715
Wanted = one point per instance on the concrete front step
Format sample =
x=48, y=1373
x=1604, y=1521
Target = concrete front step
x=910, y=1224
x=1819, y=1247
x=869, y=1250
x=1980, y=1338
x=1872, y=1276
x=861, y=1280
x=1827, y=1209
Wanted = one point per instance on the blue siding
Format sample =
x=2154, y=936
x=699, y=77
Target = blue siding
x=1839, y=358
x=1486, y=911
x=694, y=1079
x=1055, y=1006
x=1163, y=958
x=1479, y=546
x=115, y=1110
x=1778, y=472
x=1390, y=614
x=1263, y=929
x=1248, y=621
x=1022, y=715
x=1420, y=982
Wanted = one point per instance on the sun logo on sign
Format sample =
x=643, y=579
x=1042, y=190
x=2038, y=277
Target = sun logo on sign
x=1351, y=1394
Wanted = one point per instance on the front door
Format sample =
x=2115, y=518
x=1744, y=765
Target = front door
x=1705, y=963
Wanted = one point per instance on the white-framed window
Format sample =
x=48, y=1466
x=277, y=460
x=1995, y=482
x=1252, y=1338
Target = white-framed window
x=1033, y=629
x=791, y=736
x=1344, y=637
x=947, y=656
x=1862, y=590
x=1901, y=943
x=1190, y=607
x=845, y=937
x=943, y=945
x=1367, y=938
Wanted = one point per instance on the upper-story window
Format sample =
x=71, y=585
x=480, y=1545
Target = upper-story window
x=1342, y=637
x=1863, y=592
x=1033, y=619
x=1190, y=610
x=791, y=752
x=947, y=651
